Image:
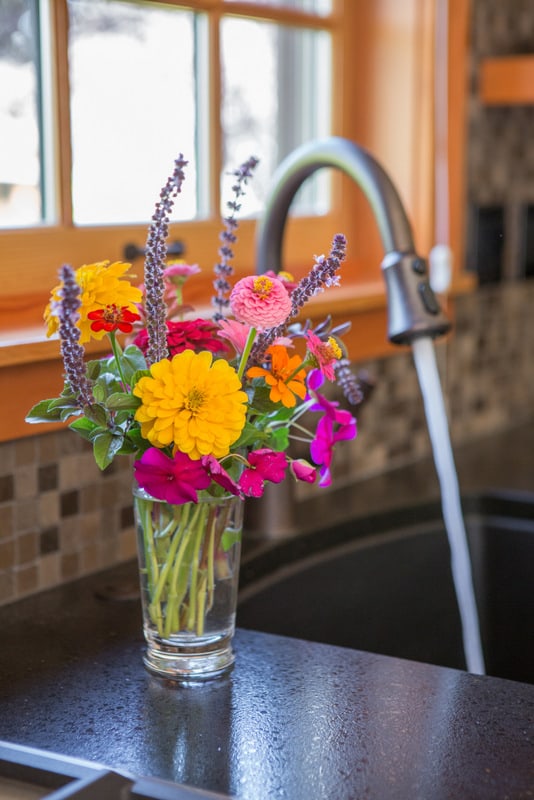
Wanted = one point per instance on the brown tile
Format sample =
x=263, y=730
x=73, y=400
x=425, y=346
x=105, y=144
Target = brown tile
x=89, y=559
x=69, y=535
x=26, y=579
x=7, y=488
x=6, y=521
x=47, y=477
x=49, y=540
x=90, y=525
x=69, y=503
x=70, y=566
x=27, y=547
x=7, y=554
x=48, y=509
x=25, y=451
x=89, y=498
x=47, y=447
x=25, y=481
x=27, y=515
x=7, y=586
x=49, y=574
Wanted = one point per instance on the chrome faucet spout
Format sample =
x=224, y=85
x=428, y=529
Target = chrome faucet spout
x=413, y=309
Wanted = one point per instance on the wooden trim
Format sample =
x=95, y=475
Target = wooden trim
x=459, y=14
x=60, y=27
x=507, y=80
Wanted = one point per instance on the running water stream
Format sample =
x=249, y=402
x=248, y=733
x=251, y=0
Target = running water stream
x=427, y=372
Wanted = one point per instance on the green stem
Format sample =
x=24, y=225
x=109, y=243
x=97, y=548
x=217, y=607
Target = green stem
x=180, y=568
x=117, y=353
x=151, y=561
x=246, y=352
x=175, y=543
x=192, y=619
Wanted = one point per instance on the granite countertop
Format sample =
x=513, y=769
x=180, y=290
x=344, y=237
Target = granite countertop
x=294, y=719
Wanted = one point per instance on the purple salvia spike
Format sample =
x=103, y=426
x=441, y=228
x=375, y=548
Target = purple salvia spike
x=71, y=350
x=155, y=255
x=223, y=270
x=348, y=382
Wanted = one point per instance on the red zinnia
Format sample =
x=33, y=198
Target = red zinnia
x=112, y=318
x=196, y=335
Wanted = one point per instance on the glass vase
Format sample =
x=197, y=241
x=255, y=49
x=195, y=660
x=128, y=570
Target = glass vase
x=189, y=569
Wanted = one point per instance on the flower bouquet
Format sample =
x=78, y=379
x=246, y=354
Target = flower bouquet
x=206, y=408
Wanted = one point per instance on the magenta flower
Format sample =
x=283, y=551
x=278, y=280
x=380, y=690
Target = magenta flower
x=323, y=354
x=260, y=301
x=219, y=474
x=264, y=465
x=302, y=470
x=335, y=425
x=174, y=480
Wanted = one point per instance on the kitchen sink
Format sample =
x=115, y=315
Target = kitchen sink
x=383, y=584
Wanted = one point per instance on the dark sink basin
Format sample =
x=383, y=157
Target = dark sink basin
x=384, y=584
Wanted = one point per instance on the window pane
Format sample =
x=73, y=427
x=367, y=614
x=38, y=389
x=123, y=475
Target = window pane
x=318, y=6
x=20, y=175
x=271, y=109
x=133, y=108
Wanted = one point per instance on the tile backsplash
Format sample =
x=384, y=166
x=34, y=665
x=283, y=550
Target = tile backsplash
x=61, y=518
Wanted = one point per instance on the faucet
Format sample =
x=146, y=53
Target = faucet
x=413, y=309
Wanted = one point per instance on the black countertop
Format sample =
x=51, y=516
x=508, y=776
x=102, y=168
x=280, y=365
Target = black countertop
x=293, y=720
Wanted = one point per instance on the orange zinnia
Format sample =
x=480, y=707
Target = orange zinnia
x=285, y=378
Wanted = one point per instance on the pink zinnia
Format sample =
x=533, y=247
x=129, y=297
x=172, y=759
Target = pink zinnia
x=180, y=270
x=260, y=301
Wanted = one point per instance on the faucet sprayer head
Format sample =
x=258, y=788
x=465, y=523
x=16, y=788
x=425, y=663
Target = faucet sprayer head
x=413, y=308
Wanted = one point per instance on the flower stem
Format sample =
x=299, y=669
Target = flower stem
x=117, y=353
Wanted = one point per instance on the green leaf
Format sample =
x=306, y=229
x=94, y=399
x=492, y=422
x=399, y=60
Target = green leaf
x=122, y=400
x=279, y=439
x=99, y=393
x=84, y=427
x=97, y=414
x=43, y=412
x=132, y=361
x=229, y=538
x=94, y=368
x=249, y=435
x=105, y=448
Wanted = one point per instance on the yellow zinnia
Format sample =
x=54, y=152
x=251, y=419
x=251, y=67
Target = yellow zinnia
x=192, y=403
x=101, y=285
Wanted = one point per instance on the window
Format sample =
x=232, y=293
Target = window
x=99, y=96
